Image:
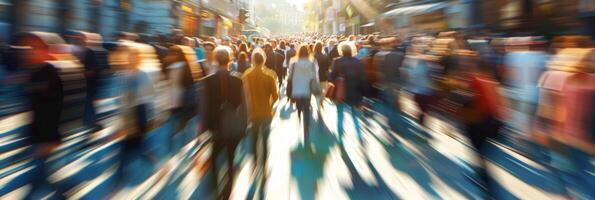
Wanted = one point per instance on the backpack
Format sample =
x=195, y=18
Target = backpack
x=233, y=119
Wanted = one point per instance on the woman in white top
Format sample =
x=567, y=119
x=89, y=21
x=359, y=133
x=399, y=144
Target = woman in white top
x=304, y=79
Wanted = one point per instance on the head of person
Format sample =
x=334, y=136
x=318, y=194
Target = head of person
x=36, y=49
x=303, y=52
x=243, y=47
x=346, y=49
x=242, y=57
x=243, y=38
x=332, y=42
x=318, y=48
x=268, y=49
x=258, y=57
x=282, y=44
x=188, y=41
x=223, y=56
x=226, y=41
x=352, y=38
x=273, y=43
x=209, y=49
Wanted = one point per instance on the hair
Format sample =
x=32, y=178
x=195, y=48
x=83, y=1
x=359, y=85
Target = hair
x=205, y=44
x=258, y=57
x=318, y=47
x=346, y=49
x=303, y=52
x=222, y=55
x=243, y=47
x=332, y=41
x=311, y=48
x=282, y=44
x=242, y=56
x=268, y=48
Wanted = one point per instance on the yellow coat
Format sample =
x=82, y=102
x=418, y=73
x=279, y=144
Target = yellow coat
x=260, y=86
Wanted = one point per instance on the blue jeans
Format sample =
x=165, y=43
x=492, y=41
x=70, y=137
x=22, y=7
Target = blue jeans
x=340, y=116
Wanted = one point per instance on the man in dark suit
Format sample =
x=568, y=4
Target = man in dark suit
x=224, y=94
x=279, y=61
x=388, y=61
x=331, y=50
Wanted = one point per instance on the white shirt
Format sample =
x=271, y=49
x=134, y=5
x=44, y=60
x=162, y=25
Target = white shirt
x=303, y=71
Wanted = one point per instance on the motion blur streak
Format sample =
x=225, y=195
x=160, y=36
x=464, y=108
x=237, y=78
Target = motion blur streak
x=297, y=99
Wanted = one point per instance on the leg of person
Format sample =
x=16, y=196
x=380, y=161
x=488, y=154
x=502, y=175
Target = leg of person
x=306, y=123
x=217, y=148
x=256, y=137
x=340, y=115
x=265, y=153
x=478, y=141
x=355, y=116
x=230, y=146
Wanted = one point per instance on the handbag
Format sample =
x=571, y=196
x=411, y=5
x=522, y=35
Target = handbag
x=336, y=90
x=233, y=118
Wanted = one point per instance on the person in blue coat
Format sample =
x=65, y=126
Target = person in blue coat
x=351, y=70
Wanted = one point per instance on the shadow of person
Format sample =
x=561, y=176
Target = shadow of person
x=308, y=161
x=286, y=111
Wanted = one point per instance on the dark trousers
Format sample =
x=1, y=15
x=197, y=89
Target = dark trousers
x=228, y=147
x=260, y=134
x=260, y=140
x=478, y=134
x=303, y=108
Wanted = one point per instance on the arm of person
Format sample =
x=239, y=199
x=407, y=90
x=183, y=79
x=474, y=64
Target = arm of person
x=334, y=71
x=274, y=89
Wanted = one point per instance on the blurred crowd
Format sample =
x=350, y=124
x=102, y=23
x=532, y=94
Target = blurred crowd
x=537, y=91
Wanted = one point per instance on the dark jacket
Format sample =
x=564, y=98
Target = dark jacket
x=279, y=59
x=324, y=63
x=332, y=53
x=389, y=64
x=290, y=54
x=356, y=83
x=216, y=89
x=57, y=98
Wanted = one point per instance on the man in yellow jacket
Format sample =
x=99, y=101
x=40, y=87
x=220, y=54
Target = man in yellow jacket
x=260, y=85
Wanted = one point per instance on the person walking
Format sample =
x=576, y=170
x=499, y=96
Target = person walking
x=351, y=70
x=304, y=82
x=324, y=63
x=260, y=85
x=224, y=114
x=242, y=63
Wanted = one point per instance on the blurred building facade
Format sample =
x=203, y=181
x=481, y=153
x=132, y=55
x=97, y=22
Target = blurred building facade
x=141, y=16
x=544, y=17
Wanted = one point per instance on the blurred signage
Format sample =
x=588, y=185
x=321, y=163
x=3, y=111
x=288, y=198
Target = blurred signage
x=222, y=7
x=205, y=14
x=342, y=27
x=187, y=9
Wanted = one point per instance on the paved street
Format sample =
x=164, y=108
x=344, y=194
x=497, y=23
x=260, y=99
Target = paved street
x=395, y=159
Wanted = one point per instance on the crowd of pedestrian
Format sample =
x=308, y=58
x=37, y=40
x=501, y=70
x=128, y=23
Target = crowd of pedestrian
x=542, y=89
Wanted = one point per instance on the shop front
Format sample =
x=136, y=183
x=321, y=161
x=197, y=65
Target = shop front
x=412, y=19
x=188, y=20
x=208, y=25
